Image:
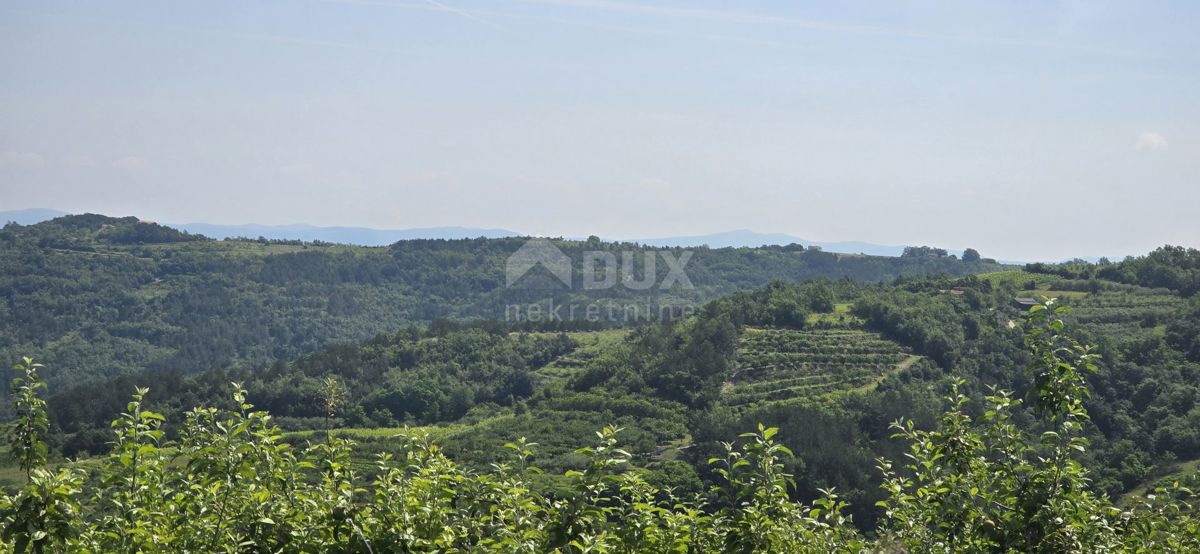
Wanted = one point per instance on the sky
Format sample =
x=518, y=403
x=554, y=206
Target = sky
x=1024, y=129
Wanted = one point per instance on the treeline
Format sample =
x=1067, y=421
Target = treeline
x=414, y=377
x=664, y=383
x=101, y=297
x=229, y=483
x=934, y=325
x=1171, y=267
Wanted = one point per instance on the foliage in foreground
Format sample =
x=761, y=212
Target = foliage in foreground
x=230, y=484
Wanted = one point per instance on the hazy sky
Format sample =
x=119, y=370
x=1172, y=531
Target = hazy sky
x=1023, y=129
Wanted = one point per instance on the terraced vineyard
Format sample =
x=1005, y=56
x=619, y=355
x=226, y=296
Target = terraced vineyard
x=1127, y=314
x=779, y=364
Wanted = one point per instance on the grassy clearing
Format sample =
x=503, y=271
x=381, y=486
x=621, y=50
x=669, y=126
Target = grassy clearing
x=1171, y=473
x=592, y=344
x=1040, y=292
x=903, y=365
x=371, y=442
x=12, y=478
x=1017, y=277
x=671, y=450
x=379, y=433
x=840, y=316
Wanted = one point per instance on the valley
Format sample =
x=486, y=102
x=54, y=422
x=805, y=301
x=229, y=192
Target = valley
x=827, y=362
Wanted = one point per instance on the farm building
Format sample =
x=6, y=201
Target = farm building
x=1025, y=303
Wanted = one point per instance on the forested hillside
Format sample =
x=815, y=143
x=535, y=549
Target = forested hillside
x=99, y=296
x=829, y=363
x=383, y=366
x=370, y=344
x=967, y=482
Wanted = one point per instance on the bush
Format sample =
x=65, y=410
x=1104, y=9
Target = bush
x=230, y=483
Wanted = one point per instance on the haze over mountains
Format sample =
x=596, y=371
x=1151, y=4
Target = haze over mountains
x=745, y=237
x=362, y=236
x=30, y=216
x=366, y=236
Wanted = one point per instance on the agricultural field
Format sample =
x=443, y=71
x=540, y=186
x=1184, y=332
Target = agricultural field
x=372, y=442
x=1046, y=290
x=592, y=345
x=781, y=364
x=434, y=432
x=1134, y=313
x=1035, y=285
x=1018, y=278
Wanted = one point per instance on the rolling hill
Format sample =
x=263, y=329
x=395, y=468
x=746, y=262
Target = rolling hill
x=99, y=296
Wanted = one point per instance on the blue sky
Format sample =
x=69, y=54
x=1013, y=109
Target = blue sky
x=1022, y=129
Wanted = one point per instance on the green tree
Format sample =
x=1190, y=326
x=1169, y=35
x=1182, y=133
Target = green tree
x=42, y=516
x=26, y=435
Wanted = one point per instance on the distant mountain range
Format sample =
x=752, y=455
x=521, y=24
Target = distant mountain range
x=30, y=216
x=363, y=236
x=379, y=237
